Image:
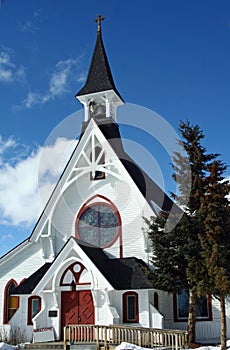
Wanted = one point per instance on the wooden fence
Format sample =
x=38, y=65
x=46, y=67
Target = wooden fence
x=104, y=336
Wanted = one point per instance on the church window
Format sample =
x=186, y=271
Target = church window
x=34, y=306
x=156, y=302
x=72, y=274
x=181, y=307
x=11, y=301
x=130, y=307
x=99, y=158
x=98, y=224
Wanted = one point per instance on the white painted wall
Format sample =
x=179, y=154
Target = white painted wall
x=18, y=267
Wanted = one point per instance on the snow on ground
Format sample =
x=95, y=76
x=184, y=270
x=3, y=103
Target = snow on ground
x=122, y=346
x=5, y=346
x=127, y=346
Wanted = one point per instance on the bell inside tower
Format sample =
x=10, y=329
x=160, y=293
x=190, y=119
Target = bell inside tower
x=97, y=110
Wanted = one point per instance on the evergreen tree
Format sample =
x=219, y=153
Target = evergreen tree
x=215, y=240
x=177, y=252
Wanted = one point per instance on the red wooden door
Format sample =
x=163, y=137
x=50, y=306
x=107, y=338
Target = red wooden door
x=86, y=307
x=76, y=308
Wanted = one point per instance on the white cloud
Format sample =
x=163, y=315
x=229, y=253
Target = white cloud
x=4, y=145
x=60, y=77
x=6, y=237
x=9, y=72
x=20, y=196
x=64, y=73
x=32, y=25
x=27, y=26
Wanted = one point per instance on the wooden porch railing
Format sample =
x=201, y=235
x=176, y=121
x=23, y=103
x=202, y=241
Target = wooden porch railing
x=116, y=334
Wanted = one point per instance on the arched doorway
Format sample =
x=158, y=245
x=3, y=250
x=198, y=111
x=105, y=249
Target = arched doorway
x=77, y=305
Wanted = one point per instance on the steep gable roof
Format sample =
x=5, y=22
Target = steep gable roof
x=149, y=189
x=99, y=76
x=122, y=274
x=30, y=283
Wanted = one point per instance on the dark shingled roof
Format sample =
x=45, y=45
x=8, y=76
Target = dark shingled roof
x=124, y=273
x=99, y=76
x=31, y=282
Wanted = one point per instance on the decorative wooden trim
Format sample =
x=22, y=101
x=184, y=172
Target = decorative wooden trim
x=97, y=151
x=76, y=275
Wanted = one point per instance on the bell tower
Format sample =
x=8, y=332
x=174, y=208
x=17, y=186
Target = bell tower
x=99, y=94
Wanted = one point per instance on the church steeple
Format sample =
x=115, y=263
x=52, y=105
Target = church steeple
x=99, y=94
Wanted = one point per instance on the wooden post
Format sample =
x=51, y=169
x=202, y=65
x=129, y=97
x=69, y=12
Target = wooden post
x=64, y=339
x=97, y=338
x=105, y=338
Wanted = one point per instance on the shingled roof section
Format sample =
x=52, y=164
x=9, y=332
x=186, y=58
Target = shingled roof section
x=31, y=282
x=124, y=273
x=99, y=76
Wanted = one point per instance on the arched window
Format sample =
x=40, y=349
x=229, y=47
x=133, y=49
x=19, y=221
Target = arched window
x=11, y=302
x=34, y=306
x=130, y=307
x=98, y=224
x=72, y=274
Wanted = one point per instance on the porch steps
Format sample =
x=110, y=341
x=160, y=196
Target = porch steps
x=44, y=346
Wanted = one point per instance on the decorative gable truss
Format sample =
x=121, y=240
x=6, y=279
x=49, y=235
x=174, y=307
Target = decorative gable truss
x=96, y=159
x=92, y=155
x=93, y=158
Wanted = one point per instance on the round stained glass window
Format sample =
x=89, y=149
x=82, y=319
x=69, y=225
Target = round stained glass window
x=98, y=225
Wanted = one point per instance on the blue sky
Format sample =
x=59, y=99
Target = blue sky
x=170, y=56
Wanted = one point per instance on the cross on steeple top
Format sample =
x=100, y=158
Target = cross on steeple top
x=98, y=20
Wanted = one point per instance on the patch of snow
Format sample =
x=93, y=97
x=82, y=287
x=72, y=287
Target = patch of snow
x=4, y=346
x=125, y=345
x=130, y=346
x=20, y=346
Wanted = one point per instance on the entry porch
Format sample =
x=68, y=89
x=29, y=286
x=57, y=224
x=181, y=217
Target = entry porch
x=110, y=336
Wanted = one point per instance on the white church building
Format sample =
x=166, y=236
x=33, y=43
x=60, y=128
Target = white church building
x=88, y=258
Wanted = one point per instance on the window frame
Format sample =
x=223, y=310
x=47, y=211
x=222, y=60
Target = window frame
x=7, y=301
x=156, y=300
x=98, y=203
x=30, y=308
x=126, y=310
x=178, y=318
